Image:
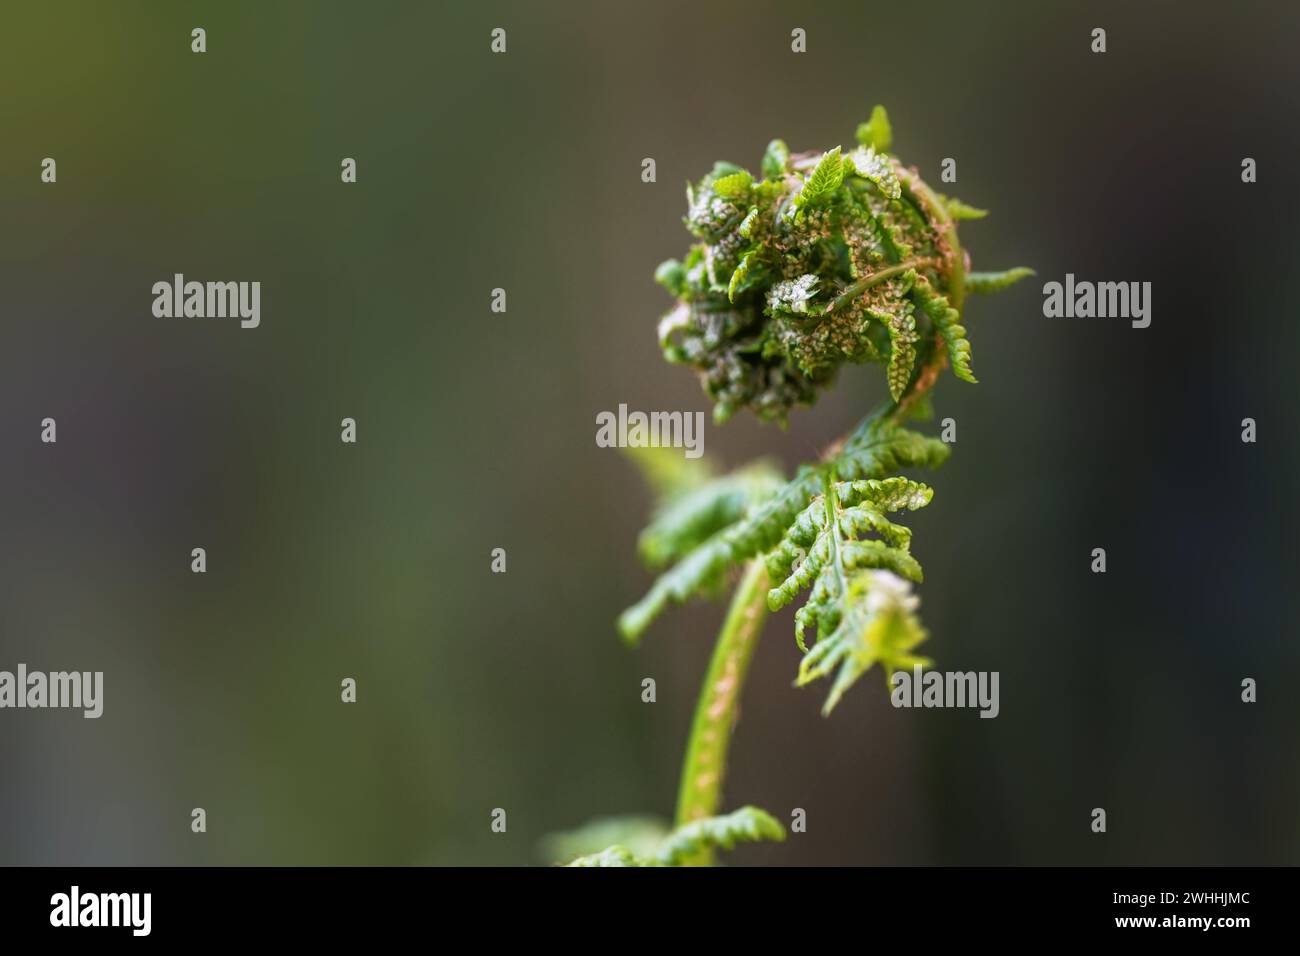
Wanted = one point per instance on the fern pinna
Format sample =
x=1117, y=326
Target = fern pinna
x=829, y=258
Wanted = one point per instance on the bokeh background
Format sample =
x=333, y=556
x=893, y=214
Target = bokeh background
x=476, y=430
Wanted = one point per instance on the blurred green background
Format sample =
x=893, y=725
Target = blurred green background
x=476, y=430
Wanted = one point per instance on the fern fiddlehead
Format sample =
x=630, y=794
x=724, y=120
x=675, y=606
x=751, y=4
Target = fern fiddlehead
x=830, y=258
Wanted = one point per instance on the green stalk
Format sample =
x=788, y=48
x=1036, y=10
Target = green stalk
x=851, y=292
x=719, y=704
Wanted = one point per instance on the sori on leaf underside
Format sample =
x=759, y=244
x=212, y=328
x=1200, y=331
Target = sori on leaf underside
x=833, y=257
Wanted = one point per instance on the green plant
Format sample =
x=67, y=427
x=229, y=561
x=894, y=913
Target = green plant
x=829, y=258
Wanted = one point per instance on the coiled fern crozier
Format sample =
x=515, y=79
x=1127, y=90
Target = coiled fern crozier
x=829, y=258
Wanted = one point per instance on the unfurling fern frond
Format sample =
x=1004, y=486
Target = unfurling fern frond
x=825, y=547
x=835, y=539
x=746, y=825
x=877, y=625
x=859, y=605
x=877, y=449
x=818, y=264
x=832, y=258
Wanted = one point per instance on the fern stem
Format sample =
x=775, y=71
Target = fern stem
x=851, y=292
x=718, y=707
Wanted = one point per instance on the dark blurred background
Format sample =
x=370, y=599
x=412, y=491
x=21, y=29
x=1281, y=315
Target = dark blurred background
x=476, y=430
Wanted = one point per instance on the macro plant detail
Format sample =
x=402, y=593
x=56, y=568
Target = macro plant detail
x=830, y=258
